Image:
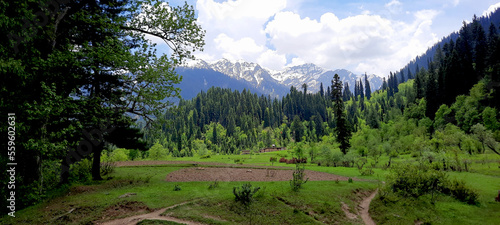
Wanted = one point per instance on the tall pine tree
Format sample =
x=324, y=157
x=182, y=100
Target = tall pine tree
x=342, y=130
x=368, y=90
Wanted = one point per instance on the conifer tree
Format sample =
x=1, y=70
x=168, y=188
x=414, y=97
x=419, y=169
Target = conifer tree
x=368, y=90
x=342, y=130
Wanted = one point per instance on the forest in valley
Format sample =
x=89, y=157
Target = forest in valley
x=449, y=105
x=85, y=89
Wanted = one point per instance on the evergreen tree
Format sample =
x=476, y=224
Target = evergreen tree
x=368, y=91
x=297, y=129
x=347, y=92
x=342, y=130
x=410, y=76
x=321, y=90
x=215, y=137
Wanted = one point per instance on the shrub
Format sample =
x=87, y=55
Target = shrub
x=119, y=154
x=204, y=156
x=414, y=181
x=245, y=195
x=411, y=181
x=107, y=167
x=157, y=151
x=283, y=160
x=273, y=160
x=367, y=172
x=214, y=185
x=459, y=190
x=298, y=177
x=81, y=171
x=177, y=187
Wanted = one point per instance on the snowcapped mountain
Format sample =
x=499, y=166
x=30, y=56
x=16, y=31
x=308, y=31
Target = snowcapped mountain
x=263, y=81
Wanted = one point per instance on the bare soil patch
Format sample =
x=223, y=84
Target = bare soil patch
x=125, y=208
x=244, y=174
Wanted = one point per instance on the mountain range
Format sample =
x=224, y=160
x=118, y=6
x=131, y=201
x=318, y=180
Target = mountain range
x=199, y=75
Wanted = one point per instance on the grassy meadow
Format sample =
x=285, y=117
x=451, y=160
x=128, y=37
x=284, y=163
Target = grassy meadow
x=318, y=202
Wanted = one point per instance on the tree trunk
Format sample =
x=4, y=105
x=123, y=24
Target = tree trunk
x=96, y=163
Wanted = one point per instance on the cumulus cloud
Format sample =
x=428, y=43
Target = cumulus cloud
x=270, y=35
x=491, y=9
x=367, y=43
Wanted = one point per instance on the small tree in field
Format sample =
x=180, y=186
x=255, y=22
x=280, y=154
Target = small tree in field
x=298, y=174
x=273, y=160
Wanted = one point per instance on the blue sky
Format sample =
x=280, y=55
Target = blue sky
x=376, y=36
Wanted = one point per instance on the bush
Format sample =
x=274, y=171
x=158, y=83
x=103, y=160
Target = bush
x=273, y=160
x=119, y=154
x=283, y=160
x=107, y=167
x=411, y=181
x=157, y=152
x=245, y=195
x=298, y=177
x=213, y=185
x=81, y=171
x=204, y=156
x=459, y=190
x=177, y=187
x=414, y=181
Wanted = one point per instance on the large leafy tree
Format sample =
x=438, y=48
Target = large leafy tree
x=72, y=66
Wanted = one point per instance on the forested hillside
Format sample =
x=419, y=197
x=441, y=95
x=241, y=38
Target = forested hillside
x=451, y=105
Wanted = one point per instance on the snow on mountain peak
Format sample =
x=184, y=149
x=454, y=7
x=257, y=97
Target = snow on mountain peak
x=308, y=73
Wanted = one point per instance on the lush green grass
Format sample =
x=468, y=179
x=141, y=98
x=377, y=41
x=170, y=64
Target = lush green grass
x=89, y=202
x=444, y=209
x=275, y=204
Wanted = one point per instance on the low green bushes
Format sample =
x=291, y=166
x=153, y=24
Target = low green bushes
x=413, y=181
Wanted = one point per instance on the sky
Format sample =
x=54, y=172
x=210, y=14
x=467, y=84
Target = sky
x=372, y=36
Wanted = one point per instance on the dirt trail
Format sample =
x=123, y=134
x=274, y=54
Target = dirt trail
x=365, y=206
x=132, y=220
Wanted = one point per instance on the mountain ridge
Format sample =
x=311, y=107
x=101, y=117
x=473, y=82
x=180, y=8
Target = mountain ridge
x=269, y=82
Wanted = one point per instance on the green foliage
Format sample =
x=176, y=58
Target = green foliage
x=459, y=190
x=245, y=194
x=177, y=187
x=81, y=171
x=298, y=177
x=342, y=129
x=413, y=181
x=157, y=152
x=214, y=185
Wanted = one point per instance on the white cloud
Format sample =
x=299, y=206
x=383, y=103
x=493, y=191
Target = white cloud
x=237, y=22
x=272, y=60
x=244, y=29
x=394, y=7
x=491, y=9
x=364, y=43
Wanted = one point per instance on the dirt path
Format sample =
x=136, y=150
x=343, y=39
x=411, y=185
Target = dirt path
x=132, y=220
x=365, y=206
